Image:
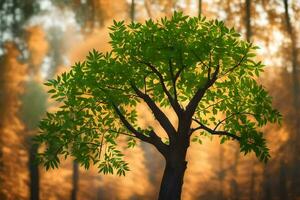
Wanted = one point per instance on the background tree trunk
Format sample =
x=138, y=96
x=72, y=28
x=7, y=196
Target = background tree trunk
x=295, y=191
x=248, y=20
x=34, y=172
x=132, y=11
x=221, y=173
x=267, y=187
x=199, y=7
x=75, y=179
x=283, y=194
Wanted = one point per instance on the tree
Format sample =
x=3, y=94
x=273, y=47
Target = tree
x=200, y=69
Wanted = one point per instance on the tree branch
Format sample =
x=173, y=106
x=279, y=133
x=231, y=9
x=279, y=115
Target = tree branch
x=181, y=69
x=233, y=114
x=216, y=103
x=200, y=60
x=174, y=103
x=129, y=126
x=214, y=132
x=159, y=115
x=173, y=79
x=234, y=67
x=118, y=89
x=152, y=139
x=178, y=73
x=191, y=107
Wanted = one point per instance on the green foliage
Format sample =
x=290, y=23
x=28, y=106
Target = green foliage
x=87, y=126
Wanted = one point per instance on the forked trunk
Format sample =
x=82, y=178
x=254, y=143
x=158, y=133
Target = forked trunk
x=172, y=181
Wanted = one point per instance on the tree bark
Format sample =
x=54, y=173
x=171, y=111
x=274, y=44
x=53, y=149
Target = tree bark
x=172, y=181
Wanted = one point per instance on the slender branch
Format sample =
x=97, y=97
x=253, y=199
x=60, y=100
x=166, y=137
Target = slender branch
x=214, y=132
x=173, y=79
x=211, y=105
x=174, y=103
x=145, y=85
x=100, y=151
x=192, y=105
x=181, y=69
x=235, y=66
x=200, y=60
x=122, y=133
x=119, y=89
x=209, y=66
x=179, y=72
x=233, y=114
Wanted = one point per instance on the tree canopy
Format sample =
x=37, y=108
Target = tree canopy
x=200, y=68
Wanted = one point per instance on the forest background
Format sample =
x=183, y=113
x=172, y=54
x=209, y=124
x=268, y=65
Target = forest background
x=42, y=38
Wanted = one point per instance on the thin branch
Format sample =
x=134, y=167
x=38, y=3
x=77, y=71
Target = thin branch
x=172, y=101
x=209, y=66
x=233, y=114
x=145, y=85
x=192, y=105
x=122, y=133
x=214, y=132
x=181, y=69
x=235, y=66
x=100, y=151
x=173, y=79
x=179, y=72
x=200, y=60
x=119, y=89
x=211, y=105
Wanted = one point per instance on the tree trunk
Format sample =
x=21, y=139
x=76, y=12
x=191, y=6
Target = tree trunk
x=221, y=173
x=75, y=180
x=199, y=7
x=132, y=11
x=267, y=186
x=295, y=183
x=252, y=182
x=172, y=181
x=248, y=20
x=283, y=193
x=34, y=173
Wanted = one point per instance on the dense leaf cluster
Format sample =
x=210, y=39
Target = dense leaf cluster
x=193, y=65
